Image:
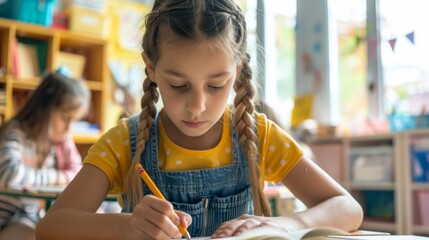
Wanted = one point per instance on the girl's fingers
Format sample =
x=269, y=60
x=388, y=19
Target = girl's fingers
x=237, y=226
x=155, y=232
x=157, y=218
x=246, y=225
x=227, y=228
x=185, y=218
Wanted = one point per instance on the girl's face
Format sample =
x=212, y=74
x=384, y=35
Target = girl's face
x=194, y=80
x=61, y=121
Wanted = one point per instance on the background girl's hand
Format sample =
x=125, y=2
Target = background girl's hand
x=244, y=223
x=154, y=218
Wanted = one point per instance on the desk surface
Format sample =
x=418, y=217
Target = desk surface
x=45, y=193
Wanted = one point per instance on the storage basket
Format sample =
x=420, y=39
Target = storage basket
x=404, y=122
x=32, y=11
x=371, y=164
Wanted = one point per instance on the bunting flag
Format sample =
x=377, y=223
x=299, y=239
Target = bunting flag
x=317, y=28
x=410, y=37
x=317, y=47
x=392, y=43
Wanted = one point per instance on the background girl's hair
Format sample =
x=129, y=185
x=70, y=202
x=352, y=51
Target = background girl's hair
x=199, y=20
x=55, y=92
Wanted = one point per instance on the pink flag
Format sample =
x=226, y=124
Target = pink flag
x=392, y=43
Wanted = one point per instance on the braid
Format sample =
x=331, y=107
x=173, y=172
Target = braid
x=134, y=188
x=243, y=105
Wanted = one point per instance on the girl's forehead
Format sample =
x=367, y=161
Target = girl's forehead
x=184, y=48
x=183, y=43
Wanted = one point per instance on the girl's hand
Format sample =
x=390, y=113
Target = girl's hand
x=154, y=218
x=244, y=223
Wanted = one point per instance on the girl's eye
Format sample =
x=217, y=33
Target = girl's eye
x=178, y=86
x=216, y=87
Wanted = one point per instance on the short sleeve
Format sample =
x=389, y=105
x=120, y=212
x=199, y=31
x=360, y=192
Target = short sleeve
x=278, y=151
x=112, y=155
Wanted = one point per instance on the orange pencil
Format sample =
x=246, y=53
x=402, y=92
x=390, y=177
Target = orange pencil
x=157, y=193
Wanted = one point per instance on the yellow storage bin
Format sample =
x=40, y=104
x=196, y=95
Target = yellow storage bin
x=75, y=63
x=89, y=22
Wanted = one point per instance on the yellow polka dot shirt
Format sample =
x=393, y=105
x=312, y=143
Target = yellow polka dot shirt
x=278, y=152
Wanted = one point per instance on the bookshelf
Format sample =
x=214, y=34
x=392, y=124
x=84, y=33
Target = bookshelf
x=389, y=195
x=51, y=42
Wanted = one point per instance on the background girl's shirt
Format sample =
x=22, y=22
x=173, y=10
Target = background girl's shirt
x=19, y=161
x=278, y=152
x=19, y=165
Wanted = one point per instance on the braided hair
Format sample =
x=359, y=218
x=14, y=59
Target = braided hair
x=200, y=20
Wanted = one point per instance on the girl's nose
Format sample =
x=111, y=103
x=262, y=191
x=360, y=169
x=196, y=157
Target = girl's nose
x=196, y=102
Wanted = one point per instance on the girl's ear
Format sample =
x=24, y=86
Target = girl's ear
x=150, y=67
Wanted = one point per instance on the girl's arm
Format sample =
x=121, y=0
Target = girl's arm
x=73, y=214
x=69, y=161
x=15, y=171
x=328, y=204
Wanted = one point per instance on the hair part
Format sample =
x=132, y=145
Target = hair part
x=200, y=20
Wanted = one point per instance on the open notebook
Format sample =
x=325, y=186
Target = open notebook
x=320, y=233
x=265, y=233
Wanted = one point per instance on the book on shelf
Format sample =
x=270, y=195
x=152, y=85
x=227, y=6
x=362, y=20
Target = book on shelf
x=26, y=62
x=318, y=233
x=14, y=65
x=2, y=98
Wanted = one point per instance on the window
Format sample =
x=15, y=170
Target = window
x=249, y=9
x=280, y=20
x=404, y=52
x=350, y=21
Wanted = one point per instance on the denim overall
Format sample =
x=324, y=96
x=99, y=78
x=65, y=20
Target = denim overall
x=210, y=196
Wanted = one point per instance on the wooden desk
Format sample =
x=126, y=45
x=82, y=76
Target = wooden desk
x=48, y=194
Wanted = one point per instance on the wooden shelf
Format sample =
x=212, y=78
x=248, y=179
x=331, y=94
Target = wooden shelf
x=382, y=226
x=372, y=186
x=420, y=230
x=96, y=74
x=95, y=85
x=90, y=138
x=420, y=186
x=28, y=83
x=80, y=40
x=402, y=188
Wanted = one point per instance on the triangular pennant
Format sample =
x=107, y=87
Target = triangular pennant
x=410, y=37
x=392, y=43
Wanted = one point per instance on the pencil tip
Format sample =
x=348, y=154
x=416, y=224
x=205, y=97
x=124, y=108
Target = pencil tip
x=187, y=236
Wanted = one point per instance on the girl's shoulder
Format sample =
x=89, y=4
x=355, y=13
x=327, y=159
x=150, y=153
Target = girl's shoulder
x=122, y=128
x=12, y=132
x=262, y=122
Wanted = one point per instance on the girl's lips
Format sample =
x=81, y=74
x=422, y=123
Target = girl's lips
x=194, y=124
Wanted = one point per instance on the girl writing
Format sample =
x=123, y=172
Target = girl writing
x=36, y=149
x=207, y=158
